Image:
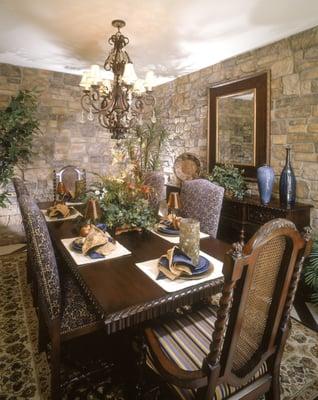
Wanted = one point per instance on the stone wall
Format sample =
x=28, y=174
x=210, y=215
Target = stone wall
x=64, y=140
x=293, y=66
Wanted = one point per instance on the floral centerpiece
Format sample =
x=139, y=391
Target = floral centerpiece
x=124, y=204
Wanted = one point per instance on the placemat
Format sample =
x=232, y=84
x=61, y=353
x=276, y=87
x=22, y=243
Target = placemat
x=80, y=259
x=175, y=239
x=49, y=219
x=150, y=268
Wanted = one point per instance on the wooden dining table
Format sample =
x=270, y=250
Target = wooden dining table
x=123, y=295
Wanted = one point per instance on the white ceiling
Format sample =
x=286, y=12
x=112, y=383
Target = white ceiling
x=171, y=37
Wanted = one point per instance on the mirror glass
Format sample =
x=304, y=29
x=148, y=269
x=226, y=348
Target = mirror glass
x=236, y=128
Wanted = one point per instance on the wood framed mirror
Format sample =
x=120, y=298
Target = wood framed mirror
x=238, y=124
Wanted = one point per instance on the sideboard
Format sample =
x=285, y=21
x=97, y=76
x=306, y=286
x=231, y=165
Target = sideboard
x=240, y=219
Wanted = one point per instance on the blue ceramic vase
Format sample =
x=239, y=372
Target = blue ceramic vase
x=287, y=183
x=265, y=181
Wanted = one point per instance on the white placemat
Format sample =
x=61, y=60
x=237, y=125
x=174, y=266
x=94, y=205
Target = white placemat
x=150, y=268
x=49, y=219
x=175, y=239
x=80, y=259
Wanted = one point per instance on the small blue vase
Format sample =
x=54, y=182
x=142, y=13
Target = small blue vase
x=265, y=181
x=287, y=183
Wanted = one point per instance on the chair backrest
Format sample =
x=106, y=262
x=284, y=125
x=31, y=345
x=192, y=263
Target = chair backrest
x=156, y=181
x=19, y=187
x=260, y=281
x=43, y=258
x=70, y=176
x=202, y=200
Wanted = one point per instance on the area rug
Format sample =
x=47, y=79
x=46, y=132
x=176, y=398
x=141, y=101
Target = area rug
x=24, y=374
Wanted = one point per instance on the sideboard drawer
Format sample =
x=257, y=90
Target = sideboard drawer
x=261, y=215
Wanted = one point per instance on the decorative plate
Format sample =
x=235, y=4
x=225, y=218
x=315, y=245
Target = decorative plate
x=167, y=231
x=187, y=166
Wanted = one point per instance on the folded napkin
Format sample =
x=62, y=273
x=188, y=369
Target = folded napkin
x=176, y=264
x=59, y=211
x=170, y=221
x=97, y=244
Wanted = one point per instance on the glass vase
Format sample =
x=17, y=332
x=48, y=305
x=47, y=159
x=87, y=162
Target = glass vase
x=287, y=183
x=265, y=182
x=190, y=238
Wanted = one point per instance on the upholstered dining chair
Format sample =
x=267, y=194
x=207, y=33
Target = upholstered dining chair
x=234, y=351
x=64, y=312
x=21, y=190
x=19, y=187
x=73, y=179
x=202, y=200
x=156, y=181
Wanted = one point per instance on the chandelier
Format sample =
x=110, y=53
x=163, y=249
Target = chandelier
x=115, y=94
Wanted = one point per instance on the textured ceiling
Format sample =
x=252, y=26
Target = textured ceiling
x=171, y=37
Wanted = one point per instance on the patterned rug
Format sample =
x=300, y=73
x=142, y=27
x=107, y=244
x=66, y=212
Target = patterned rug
x=24, y=373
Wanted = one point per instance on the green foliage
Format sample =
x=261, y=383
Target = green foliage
x=311, y=271
x=18, y=123
x=145, y=146
x=229, y=177
x=123, y=203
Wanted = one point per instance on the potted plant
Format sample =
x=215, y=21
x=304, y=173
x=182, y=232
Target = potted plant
x=310, y=273
x=229, y=177
x=124, y=204
x=18, y=125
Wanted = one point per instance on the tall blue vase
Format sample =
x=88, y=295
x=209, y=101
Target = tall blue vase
x=265, y=181
x=287, y=183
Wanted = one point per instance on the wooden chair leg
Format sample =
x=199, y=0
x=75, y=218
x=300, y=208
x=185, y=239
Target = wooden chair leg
x=141, y=348
x=42, y=334
x=274, y=392
x=55, y=365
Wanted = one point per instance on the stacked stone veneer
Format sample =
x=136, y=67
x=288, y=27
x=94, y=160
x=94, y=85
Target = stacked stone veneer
x=183, y=108
x=64, y=140
x=293, y=67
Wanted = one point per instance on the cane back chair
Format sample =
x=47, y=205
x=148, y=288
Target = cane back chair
x=234, y=351
x=73, y=178
x=202, y=200
x=64, y=312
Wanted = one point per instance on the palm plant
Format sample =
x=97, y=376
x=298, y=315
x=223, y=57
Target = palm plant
x=145, y=146
x=311, y=271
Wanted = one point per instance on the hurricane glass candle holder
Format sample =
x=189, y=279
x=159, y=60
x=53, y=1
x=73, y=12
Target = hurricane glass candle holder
x=190, y=238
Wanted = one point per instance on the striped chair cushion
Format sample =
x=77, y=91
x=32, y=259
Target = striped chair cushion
x=186, y=340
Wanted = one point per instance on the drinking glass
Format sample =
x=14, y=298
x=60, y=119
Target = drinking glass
x=190, y=238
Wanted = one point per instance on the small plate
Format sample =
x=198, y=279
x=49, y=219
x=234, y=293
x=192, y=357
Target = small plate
x=167, y=231
x=187, y=166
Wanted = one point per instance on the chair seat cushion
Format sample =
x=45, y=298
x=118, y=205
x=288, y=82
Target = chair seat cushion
x=186, y=340
x=77, y=311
